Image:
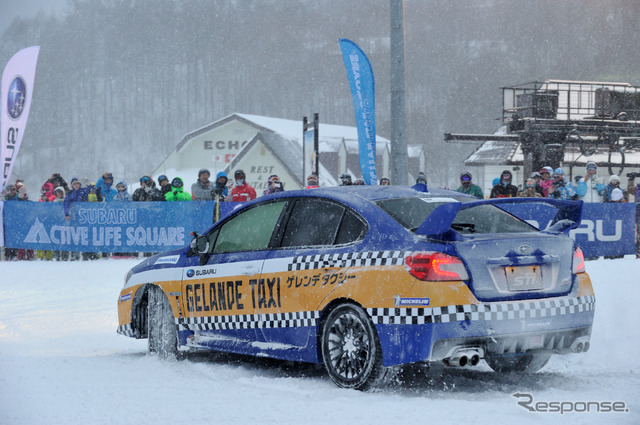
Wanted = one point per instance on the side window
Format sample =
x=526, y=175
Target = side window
x=351, y=229
x=314, y=222
x=250, y=230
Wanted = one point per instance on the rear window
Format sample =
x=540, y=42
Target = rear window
x=411, y=212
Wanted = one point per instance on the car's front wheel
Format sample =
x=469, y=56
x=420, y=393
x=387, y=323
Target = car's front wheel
x=163, y=336
x=351, y=349
x=527, y=363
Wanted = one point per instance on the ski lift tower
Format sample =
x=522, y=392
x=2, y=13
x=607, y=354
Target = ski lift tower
x=550, y=118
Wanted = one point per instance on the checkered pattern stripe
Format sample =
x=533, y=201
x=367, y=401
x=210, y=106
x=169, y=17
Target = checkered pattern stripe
x=126, y=330
x=350, y=259
x=488, y=311
x=249, y=321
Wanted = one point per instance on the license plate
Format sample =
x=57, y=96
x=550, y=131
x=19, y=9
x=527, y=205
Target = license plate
x=524, y=278
x=536, y=341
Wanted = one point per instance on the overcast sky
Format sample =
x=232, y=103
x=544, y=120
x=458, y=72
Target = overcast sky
x=10, y=9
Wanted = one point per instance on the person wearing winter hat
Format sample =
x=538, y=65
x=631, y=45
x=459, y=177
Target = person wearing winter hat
x=147, y=192
x=421, y=183
x=591, y=188
x=537, y=178
x=46, y=193
x=22, y=194
x=312, y=182
x=122, y=194
x=274, y=185
x=467, y=186
x=561, y=188
x=104, y=189
x=220, y=191
x=91, y=196
x=165, y=185
x=614, y=183
x=345, y=179
x=529, y=190
x=60, y=194
x=177, y=191
x=23, y=254
x=504, y=188
x=77, y=194
x=242, y=191
x=10, y=193
x=202, y=189
x=546, y=180
x=385, y=181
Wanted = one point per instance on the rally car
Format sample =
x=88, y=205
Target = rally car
x=364, y=279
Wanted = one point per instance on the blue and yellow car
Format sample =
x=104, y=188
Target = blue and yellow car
x=364, y=279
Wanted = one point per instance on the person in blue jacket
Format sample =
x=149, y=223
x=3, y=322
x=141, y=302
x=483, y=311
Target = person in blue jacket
x=122, y=194
x=220, y=190
x=561, y=188
x=421, y=183
x=77, y=194
x=104, y=189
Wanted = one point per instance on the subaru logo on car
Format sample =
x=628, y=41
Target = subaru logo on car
x=525, y=249
x=16, y=97
x=190, y=273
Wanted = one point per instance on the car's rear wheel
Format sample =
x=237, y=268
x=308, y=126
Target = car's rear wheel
x=351, y=349
x=163, y=336
x=527, y=363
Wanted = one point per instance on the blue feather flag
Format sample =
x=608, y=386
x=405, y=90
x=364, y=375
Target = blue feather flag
x=362, y=85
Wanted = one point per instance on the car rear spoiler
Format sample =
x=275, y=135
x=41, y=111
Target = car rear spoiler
x=438, y=223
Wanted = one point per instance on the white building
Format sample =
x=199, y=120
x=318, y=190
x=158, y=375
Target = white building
x=262, y=146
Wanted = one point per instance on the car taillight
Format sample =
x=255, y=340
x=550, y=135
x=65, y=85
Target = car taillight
x=435, y=266
x=578, y=261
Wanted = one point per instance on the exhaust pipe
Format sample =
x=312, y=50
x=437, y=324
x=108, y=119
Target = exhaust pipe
x=580, y=345
x=463, y=357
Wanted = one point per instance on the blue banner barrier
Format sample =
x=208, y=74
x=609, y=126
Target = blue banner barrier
x=605, y=229
x=107, y=227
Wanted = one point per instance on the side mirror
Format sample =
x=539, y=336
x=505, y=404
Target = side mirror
x=200, y=245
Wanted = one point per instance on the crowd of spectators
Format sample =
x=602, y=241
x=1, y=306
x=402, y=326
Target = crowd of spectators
x=553, y=183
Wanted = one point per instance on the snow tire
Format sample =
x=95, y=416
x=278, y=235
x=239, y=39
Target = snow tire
x=351, y=349
x=163, y=336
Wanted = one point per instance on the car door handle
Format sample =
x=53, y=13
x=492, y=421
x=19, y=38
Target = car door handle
x=250, y=271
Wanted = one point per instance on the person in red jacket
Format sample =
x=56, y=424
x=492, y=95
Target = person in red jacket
x=47, y=193
x=242, y=191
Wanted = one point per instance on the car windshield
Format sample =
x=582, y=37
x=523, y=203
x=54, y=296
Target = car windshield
x=411, y=212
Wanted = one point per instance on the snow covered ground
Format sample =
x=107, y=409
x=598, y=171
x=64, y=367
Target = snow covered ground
x=61, y=362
